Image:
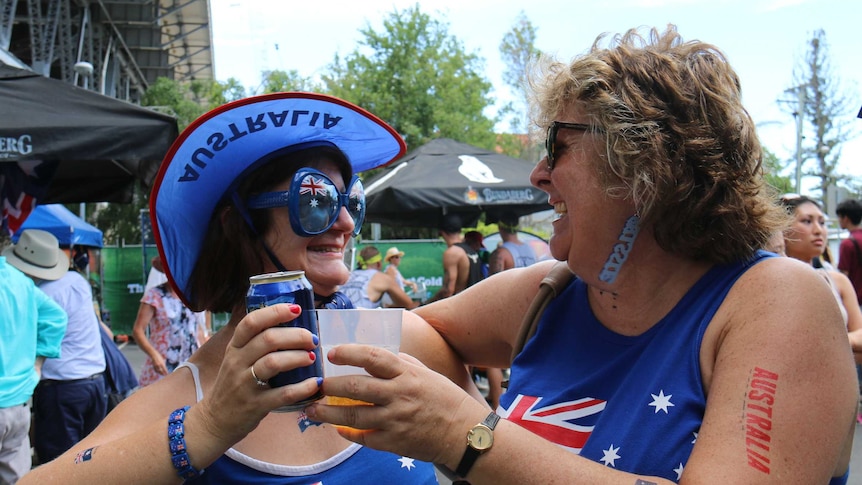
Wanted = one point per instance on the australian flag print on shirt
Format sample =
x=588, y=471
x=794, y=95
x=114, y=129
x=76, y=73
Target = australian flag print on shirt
x=631, y=403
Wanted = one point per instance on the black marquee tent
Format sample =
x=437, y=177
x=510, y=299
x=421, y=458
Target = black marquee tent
x=97, y=147
x=446, y=176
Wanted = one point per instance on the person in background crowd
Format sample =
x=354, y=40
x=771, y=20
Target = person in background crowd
x=680, y=351
x=806, y=236
x=166, y=330
x=849, y=214
x=488, y=380
x=70, y=399
x=393, y=261
x=461, y=266
x=824, y=260
x=805, y=240
x=32, y=326
x=120, y=378
x=477, y=243
x=282, y=197
x=157, y=277
x=513, y=253
x=368, y=284
x=775, y=244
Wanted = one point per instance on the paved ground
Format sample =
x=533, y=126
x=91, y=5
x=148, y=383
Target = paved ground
x=136, y=358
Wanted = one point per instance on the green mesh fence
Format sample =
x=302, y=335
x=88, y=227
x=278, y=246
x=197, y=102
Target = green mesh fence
x=125, y=273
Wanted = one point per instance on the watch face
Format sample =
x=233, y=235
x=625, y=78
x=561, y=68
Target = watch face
x=481, y=438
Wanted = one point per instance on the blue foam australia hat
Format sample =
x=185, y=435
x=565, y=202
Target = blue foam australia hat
x=221, y=147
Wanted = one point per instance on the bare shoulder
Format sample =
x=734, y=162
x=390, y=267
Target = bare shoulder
x=383, y=280
x=776, y=291
x=840, y=279
x=779, y=313
x=769, y=349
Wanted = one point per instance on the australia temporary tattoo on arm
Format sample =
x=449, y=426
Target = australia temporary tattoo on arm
x=758, y=418
x=85, y=455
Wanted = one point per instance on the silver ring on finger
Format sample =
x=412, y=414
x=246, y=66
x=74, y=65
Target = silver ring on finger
x=259, y=382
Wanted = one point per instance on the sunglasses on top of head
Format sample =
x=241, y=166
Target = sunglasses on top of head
x=551, y=139
x=313, y=202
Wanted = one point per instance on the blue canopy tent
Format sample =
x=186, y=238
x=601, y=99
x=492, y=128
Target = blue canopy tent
x=69, y=229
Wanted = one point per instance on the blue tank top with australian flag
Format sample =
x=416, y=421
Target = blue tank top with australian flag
x=631, y=403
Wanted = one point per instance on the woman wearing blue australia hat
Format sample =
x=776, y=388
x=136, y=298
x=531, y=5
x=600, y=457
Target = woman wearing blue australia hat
x=231, y=201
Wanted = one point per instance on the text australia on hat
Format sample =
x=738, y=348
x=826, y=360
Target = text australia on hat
x=218, y=140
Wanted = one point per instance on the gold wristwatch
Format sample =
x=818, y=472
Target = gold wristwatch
x=480, y=438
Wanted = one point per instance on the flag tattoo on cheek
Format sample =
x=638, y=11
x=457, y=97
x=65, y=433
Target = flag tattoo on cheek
x=621, y=250
x=758, y=418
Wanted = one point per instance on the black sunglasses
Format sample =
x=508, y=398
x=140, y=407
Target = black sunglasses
x=551, y=140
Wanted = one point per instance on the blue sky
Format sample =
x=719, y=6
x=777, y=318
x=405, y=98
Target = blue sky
x=763, y=39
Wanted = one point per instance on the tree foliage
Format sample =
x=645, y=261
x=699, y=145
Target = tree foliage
x=186, y=101
x=279, y=81
x=518, y=51
x=772, y=168
x=417, y=78
x=817, y=90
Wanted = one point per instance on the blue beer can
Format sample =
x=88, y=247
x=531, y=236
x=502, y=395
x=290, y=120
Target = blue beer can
x=289, y=287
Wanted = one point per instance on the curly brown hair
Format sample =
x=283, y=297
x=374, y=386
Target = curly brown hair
x=679, y=143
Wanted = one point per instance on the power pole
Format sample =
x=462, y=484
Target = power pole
x=800, y=93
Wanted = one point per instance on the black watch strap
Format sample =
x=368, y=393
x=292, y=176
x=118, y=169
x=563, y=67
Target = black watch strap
x=471, y=453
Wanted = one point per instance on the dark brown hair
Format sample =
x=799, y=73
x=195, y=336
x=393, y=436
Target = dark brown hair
x=232, y=251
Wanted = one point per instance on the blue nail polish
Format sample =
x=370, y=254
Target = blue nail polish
x=315, y=339
x=319, y=381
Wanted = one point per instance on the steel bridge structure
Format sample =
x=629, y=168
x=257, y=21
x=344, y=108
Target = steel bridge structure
x=115, y=47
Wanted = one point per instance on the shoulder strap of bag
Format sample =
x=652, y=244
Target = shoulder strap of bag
x=551, y=285
x=554, y=282
x=858, y=253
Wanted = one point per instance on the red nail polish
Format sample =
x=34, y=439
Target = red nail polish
x=312, y=356
x=295, y=309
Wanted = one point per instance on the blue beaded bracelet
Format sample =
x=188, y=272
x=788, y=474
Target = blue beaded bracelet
x=177, y=445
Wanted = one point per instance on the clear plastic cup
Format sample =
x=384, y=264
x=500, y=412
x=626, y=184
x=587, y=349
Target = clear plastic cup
x=377, y=327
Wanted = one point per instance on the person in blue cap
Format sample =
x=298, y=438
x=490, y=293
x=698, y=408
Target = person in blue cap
x=260, y=185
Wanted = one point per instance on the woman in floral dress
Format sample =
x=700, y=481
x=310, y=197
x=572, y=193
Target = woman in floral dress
x=172, y=329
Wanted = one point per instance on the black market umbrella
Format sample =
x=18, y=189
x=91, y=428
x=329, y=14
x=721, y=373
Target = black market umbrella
x=97, y=147
x=445, y=176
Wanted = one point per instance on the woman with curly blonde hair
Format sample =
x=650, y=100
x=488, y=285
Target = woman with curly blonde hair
x=678, y=352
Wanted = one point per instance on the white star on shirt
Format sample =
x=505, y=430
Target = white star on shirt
x=678, y=471
x=695, y=437
x=661, y=401
x=313, y=203
x=407, y=463
x=610, y=456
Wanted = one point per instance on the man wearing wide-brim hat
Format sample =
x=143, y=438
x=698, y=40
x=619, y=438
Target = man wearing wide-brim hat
x=70, y=400
x=393, y=261
x=32, y=326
